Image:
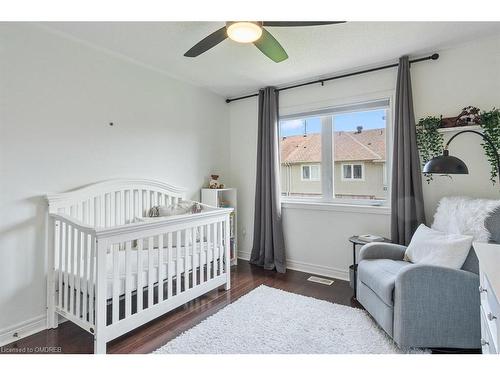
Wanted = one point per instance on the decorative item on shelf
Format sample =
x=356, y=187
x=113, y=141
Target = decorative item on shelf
x=214, y=182
x=469, y=116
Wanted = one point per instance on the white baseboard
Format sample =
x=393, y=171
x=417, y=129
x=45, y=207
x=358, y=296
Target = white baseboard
x=316, y=269
x=23, y=329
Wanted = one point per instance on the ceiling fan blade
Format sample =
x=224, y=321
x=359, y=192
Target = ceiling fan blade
x=270, y=47
x=299, y=23
x=205, y=44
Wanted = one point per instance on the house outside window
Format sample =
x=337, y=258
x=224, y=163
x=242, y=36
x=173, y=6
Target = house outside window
x=311, y=172
x=337, y=154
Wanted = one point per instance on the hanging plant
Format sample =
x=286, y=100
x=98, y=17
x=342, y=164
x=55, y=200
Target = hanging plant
x=490, y=123
x=429, y=140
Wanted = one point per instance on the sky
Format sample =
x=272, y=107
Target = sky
x=342, y=122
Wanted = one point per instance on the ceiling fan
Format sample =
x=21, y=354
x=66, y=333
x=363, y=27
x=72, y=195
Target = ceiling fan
x=252, y=32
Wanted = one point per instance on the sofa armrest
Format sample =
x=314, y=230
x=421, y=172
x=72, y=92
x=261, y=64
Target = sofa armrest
x=436, y=307
x=382, y=250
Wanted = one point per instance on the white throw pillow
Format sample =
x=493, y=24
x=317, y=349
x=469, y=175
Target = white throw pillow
x=429, y=246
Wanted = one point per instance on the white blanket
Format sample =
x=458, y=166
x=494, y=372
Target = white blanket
x=463, y=215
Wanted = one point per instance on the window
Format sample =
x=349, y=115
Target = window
x=336, y=154
x=310, y=172
x=353, y=172
x=300, y=157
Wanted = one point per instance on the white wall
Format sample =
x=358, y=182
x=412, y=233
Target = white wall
x=316, y=241
x=57, y=97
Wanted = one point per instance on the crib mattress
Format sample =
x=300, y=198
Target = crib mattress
x=167, y=266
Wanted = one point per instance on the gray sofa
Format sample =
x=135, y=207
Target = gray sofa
x=422, y=305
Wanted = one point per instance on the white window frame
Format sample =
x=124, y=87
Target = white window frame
x=327, y=164
x=310, y=179
x=352, y=179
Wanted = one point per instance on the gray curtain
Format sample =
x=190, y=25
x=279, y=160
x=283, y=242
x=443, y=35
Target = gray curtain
x=268, y=248
x=407, y=205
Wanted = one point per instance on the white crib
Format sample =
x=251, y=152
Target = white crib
x=110, y=275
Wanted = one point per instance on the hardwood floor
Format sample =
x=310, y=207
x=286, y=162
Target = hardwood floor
x=69, y=338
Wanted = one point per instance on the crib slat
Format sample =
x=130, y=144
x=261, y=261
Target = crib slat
x=194, y=255
x=169, y=265
x=161, y=275
x=214, y=249
x=140, y=210
x=187, y=246
x=85, y=211
x=203, y=257
x=178, y=263
x=220, y=251
x=147, y=202
x=209, y=246
x=85, y=275
x=128, y=280
x=79, y=211
x=139, y=275
x=124, y=212
x=116, y=283
x=128, y=206
x=150, y=271
x=102, y=211
x=71, y=277
x=66, y=267
x=91, y=281
x=95, y=211
x=106, y=210
x=60, y=272
x=112, y=209
x=78, y=270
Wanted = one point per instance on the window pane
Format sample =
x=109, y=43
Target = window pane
x=360, y=155
x=315, y=172
x=347, y=171
x=300, y=157
x=305, y=172
x=357, y=171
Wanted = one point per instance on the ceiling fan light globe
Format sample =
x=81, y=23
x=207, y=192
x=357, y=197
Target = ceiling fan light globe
x=244, y=32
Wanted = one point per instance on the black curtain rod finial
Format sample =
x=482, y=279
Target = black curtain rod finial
x=435, y=56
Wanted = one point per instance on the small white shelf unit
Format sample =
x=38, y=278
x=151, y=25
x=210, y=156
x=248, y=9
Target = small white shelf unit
x=225, y=198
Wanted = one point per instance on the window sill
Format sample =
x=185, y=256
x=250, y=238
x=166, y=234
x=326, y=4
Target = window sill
x=334, y=206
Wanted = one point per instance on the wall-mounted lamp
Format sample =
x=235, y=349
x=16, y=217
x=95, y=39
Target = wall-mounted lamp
x=447, y=164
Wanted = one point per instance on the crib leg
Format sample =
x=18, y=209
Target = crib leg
x=52, y=318
x=227, y=285
x=99, y=345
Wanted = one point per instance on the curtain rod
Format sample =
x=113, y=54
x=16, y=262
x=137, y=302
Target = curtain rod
x=434, y=56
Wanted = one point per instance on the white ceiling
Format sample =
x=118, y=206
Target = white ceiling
x=231, y=69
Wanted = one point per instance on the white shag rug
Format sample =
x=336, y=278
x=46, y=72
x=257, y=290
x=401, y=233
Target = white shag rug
x=272, y=321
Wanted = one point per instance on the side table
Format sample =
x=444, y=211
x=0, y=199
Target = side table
x=356, y=241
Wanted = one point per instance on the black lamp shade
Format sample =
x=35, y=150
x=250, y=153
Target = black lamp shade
x=446, y=164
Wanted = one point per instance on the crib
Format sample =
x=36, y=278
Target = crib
x=109, y=274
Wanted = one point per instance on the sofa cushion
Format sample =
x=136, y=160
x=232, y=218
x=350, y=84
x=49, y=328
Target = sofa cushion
x=380, y=276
